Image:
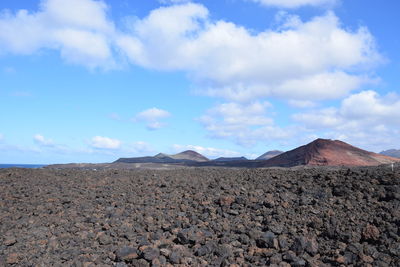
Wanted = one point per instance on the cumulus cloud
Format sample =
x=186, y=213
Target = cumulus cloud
x=296, y=3
x=369, y=104
x=245, y=124
x=42, y=141
x=365, y=118
x=362, y=109
x=102, y=142
x=210, y=152
x=300, y=60
x=79, y=29
x=152, y=114
x=152, y=118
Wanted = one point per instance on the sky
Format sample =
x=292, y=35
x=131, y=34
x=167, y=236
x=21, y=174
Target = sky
x=92, y=81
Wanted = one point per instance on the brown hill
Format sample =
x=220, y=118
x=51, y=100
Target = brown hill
x=391, y=153
x=269, y=154
x=325, y=152
x=189, y=155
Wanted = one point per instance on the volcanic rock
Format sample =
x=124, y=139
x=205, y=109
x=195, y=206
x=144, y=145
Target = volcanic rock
x=201, y=217
x=370, y=232
x=127, y=253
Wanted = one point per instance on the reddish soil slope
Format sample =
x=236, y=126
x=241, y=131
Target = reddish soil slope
x=325, y=152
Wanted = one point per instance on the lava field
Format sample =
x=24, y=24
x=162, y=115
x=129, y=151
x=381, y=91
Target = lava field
x=200, y=217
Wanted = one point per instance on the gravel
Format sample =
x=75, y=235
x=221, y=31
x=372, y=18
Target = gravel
x=200, y=217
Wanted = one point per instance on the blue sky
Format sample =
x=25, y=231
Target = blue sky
x=92, y=81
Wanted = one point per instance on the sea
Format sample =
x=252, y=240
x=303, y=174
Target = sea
x=29, y=166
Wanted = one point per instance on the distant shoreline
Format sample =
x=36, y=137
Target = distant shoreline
x=27, y=166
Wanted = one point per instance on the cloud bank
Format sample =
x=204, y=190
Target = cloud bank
x=302, y=60
x=302, y=63
x=312, y=60
x=365, y=118
x=245, y=124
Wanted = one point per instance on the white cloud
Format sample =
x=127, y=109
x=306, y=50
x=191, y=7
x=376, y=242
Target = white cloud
x=210, y=152
x=369, y=105
x=42, y=141
x=320, y=118
x=152, y=114
x=366, y=108
x=300, y=60
x=105, y=143
x=79, y=29
x=152, y=117
x=245, y=124
x=48, y=144
x=296, y=3
x=365, y=118
x=239, y=114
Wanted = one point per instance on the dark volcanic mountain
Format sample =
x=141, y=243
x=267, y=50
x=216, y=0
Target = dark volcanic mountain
x=325, y=152
x=391, y=153
x=183, y=157
x=190, y=155
x=269, y=154
x=224, y=159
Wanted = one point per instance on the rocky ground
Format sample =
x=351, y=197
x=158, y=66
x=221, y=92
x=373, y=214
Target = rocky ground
x=200, y=217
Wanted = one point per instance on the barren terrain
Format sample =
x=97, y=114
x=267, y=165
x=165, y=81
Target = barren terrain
x=200, y=217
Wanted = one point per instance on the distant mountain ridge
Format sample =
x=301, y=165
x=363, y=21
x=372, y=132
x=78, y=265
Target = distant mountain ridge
x=391, y=153
x=182, y=157
x=190, y=155
x=326, y=152
x=320, y=152
x=225, y=159
x=269, y=154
